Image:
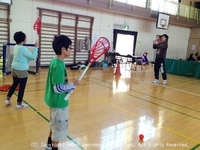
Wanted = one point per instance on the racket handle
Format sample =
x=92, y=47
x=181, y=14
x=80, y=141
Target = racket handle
x=69, y=94
x=85, y=70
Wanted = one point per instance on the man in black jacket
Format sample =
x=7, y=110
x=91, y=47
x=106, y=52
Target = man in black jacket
x=160, y=58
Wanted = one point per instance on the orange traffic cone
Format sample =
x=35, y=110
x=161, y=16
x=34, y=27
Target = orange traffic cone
x=117, y=71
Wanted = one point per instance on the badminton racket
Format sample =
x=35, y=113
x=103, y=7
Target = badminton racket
x=101, y=46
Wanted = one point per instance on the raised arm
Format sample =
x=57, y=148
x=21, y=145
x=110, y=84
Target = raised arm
x=30, y=55
x=160, y=46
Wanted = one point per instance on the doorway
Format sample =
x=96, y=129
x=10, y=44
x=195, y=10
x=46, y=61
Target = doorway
x=124, y=42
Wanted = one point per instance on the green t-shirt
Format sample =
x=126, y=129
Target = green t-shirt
x=56, y=75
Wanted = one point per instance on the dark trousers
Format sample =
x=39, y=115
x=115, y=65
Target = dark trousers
x=157, y=66
x=22, y=83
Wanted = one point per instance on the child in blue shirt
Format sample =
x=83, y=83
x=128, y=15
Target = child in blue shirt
x=19, y=68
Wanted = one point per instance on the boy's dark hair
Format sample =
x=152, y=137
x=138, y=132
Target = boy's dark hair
x=19, y=37
x=166, y=36
x=59, y=42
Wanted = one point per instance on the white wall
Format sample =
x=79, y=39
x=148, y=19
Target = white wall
x=25, y=12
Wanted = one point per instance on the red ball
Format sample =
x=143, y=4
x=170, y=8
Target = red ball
x=141, y=136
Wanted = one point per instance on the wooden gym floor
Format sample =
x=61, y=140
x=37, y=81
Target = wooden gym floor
x=108, y=112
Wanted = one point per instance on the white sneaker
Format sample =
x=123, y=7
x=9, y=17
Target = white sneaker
x=156, y=81
x=164, y=82
x=7, y=102
x=21, y=106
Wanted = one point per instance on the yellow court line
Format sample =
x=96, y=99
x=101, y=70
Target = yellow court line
x=163, y=127
x=179, y=134
x=23, y=114
x=166, y=86
x=127, y=111
x=43, y=110
x=120, y=108
x=83, y=102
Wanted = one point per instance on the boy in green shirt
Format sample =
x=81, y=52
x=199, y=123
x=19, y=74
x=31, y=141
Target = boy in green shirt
x=56, y=90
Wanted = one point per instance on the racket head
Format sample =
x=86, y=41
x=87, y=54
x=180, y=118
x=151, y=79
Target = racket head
x=37, y=25
x=101, y=46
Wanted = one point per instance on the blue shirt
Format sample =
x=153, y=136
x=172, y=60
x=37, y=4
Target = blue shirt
x=22, y=56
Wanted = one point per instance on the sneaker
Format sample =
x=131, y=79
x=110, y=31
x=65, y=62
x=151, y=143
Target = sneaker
x=164, y=82
x=156, y=81
x=7, y=102
x=21, y=106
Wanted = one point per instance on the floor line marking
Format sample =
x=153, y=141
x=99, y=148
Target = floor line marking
x=165, y=128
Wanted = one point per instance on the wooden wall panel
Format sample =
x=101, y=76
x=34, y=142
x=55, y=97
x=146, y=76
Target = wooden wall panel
x=75, y=26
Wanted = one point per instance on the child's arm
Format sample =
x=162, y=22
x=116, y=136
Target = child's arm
x=160, y=46
x=155, y=43
x=63, y=88
x=30, y=55
x=30, y=59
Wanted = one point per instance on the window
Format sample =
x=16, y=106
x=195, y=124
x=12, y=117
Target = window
x=139, y=3
x=166, y=6
x=6, y=1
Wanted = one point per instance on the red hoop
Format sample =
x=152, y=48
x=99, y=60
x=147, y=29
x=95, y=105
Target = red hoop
x=100, y=47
